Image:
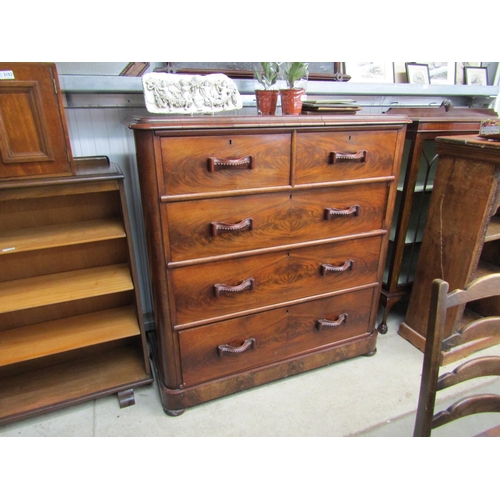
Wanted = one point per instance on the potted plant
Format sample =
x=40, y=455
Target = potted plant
x=267, y=97
x=291, y=96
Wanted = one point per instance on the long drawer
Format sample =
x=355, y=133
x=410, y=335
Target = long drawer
x=219, y=288
x=220, y=349
x=225, y=162
x=206, y=228
x=338, y=156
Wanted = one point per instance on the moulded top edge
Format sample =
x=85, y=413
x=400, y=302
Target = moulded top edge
x=219, y=122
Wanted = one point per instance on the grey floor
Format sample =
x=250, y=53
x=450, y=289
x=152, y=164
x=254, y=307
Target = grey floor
x=365, y=397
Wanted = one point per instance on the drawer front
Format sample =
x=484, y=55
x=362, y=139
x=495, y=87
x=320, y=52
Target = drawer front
x=339, y=156
x=225, y=287
x=219, y=163
x=229, y=347
x=207, y=228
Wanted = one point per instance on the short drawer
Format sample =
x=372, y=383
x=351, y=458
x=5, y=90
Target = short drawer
x=220, y=163
x=221, y=349
x=339, y=156
x=225, y=287
x=206, y=228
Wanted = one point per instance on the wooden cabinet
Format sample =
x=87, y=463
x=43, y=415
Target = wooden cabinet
x=266, y=240
x=71, y=327
x=419, y=167
x=462, y=235
x=33, y=132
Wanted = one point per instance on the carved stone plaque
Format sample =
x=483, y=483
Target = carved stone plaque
x=188, y=94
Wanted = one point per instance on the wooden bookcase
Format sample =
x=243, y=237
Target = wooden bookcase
x=461, y=238
x=71, y=325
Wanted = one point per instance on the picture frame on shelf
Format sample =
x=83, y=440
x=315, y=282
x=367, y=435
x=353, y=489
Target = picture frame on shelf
x=460, y=71
x=372, y=72
x=418, y=73
x=441, y=73
x=476, y=75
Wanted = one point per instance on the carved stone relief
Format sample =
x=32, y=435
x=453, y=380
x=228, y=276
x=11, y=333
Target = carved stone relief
x=187, y=94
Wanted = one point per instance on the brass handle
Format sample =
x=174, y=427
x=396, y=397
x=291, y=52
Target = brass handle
x=229, y=163
x=336, y=156
x=220, y=227
x=247, y=284
x=324, y=323
x=331, y=213
x=327, y=268
x=226, y=349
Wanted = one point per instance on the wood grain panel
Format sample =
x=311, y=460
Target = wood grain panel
x=278, y=277
x=314, y=153
x=278, y=219
x=279, y=334
x=185, y=168
x=33, y=132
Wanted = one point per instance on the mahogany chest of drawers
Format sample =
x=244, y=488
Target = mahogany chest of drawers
x=267, y=239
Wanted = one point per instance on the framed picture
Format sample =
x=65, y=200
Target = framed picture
x=373, y=72
x=442, y=73
x=418, y=73
x=460, y=71
x=475, y=75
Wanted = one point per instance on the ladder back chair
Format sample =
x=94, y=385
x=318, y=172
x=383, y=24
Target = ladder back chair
x=473, y=367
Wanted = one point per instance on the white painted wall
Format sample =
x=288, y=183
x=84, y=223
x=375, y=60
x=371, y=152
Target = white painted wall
x=104, y=132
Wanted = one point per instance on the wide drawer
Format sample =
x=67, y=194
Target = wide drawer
x=226, y=162
x=339, y=156
x=206, y=228
x=224, y=287
x=221, y=349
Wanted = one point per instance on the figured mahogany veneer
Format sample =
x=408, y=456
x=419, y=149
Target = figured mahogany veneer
x=267, y=238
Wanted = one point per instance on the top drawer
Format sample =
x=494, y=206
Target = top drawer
x=338, y=156
x=227, y=162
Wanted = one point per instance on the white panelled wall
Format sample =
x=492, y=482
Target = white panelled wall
x=105, y=132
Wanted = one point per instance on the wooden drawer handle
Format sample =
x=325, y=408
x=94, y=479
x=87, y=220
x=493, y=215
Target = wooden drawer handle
x=336, y=156
x=327, y=268
x=226, y=349
x=219, y=227
x=247, y=284
x=229, y=163
x=324, y=323
x=331, y=213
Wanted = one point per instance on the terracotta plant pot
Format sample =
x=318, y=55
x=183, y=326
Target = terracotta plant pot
x=266, y=101
x=291, y=102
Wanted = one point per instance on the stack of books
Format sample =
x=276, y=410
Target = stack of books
x=345, y=107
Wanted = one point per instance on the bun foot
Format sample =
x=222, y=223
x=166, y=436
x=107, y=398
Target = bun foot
x=371, y=353
x=174, y=413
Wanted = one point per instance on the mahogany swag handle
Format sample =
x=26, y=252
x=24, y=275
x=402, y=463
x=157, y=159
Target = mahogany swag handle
x=220, y=227
x=229, y=163
x=327, y=268
x=331, y=213
x=324, y=323
x=337, y=156
x=226, y=349
x=245, y=285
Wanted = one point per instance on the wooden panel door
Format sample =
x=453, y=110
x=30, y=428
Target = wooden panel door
x=33, y=132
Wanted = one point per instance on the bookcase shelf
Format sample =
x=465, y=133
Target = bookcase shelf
x=37, y=238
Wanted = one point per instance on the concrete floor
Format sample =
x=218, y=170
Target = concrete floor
x=366, y=396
